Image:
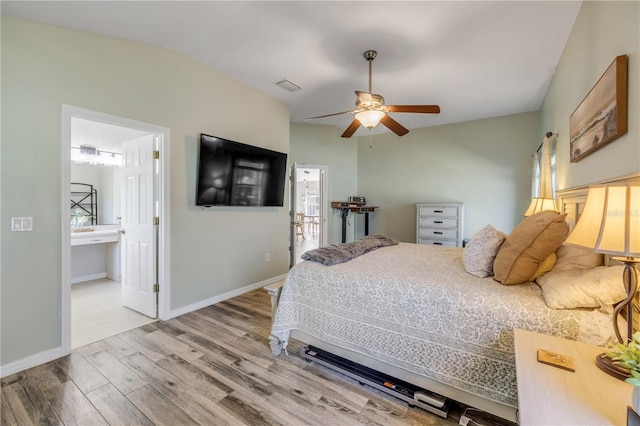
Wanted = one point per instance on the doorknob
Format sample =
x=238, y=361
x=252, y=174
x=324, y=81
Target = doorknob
x=122, y=231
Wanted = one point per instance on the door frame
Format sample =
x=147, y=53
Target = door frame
x=324, y=205
x=164, y=244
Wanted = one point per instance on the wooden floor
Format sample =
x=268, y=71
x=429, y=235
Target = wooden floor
x=209, y=367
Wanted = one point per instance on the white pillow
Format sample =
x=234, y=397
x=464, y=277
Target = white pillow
x=599, y=287
x=481, y=250
x=571, y=258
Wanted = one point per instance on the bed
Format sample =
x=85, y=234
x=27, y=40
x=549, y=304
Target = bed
x=413, y=312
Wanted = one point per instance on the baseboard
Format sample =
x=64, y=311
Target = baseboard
x=217, y=299
x=55, y=353
x=31, y=361
x=91, y=277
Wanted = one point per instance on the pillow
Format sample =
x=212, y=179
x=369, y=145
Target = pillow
x=530, y=243
x=481, y=250
x=583, y=288
x=571, y=258
x=545, y=266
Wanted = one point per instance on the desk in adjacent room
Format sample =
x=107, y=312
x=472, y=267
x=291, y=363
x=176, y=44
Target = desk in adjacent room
x=346, y=208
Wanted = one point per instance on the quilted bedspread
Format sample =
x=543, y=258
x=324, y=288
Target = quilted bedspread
x=415, y=307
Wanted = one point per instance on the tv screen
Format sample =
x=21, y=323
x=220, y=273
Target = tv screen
x=235, y=174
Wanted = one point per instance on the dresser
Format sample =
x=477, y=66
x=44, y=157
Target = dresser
x=440, y=224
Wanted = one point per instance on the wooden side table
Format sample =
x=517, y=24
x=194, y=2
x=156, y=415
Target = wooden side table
x=549, y=395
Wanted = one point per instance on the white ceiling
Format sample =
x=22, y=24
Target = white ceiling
x=104, y=136
x=475, y=59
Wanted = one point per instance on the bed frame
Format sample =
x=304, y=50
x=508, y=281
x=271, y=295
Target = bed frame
x=570, y=201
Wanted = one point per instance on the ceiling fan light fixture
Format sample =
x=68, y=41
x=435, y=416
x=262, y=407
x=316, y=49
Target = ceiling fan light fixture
x=369, y=118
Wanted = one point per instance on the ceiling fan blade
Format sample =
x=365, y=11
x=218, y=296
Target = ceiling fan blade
x=331, y=115
x=394, y=126
x=351, y=129
x=426, y=109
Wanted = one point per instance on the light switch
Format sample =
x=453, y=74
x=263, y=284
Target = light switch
x=19, y=224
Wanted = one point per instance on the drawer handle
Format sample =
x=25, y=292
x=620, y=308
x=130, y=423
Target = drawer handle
x=438, y=211
x=437, y=244
x=99, y=239
x=437, y=221
x=437, y=232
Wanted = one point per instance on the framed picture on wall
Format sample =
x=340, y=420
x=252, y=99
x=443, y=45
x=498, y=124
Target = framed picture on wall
x=602, y=116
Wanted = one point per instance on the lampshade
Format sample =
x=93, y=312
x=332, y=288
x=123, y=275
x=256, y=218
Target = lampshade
x=369, y=118
x=610, y=222
x=539, y=204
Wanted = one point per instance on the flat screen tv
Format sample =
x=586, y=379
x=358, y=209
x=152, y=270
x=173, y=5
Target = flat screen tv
x=235, y=174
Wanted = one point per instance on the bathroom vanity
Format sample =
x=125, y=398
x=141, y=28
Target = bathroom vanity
x=95, y=253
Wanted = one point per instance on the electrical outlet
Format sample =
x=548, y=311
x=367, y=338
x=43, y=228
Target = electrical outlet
x=267, y=257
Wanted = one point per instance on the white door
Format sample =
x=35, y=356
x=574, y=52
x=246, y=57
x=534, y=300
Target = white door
x=292, y=215
x=138, y=240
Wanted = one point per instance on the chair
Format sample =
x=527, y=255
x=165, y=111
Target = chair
x=313, y=224
x=299, y=225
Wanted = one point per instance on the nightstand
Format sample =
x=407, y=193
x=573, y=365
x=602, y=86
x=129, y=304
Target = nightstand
x=549, y=395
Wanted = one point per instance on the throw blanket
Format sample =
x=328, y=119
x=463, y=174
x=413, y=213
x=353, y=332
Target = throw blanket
x=339, y=253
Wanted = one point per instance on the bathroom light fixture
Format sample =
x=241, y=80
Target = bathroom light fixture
x=86, y=154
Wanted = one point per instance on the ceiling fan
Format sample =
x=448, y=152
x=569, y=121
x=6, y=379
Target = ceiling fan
x=371, y=110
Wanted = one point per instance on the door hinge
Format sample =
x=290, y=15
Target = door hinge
x=156, y=220
x=156, y=288
x=156, y=155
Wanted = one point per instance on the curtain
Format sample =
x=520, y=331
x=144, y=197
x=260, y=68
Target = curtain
x=543, y=184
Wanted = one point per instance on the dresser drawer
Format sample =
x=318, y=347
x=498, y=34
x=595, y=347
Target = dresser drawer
x=94, y=240
x=447, y=243
x=439, y=233
x=437, y=222
x=438, y=211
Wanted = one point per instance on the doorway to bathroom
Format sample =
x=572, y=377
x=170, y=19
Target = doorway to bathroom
x=116, y=187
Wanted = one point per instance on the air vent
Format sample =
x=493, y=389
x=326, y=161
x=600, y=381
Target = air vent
x=288, y=86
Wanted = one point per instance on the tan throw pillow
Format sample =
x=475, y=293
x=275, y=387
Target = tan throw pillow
x=480, y=251
x=528, y=245
x=571, y=258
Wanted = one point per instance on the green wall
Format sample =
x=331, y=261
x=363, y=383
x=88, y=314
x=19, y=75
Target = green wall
x=486, y=164
x=214, y=251
x=319, y=144
x=603, y=30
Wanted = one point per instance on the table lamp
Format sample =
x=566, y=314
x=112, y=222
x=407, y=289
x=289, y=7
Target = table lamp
x=540, y=204
x=610, y=224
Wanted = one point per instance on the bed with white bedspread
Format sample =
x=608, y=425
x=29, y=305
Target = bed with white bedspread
x=413, y=312
x=416, y=308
